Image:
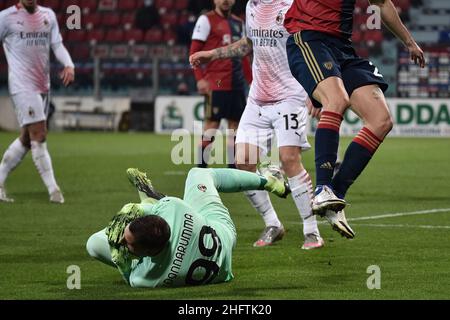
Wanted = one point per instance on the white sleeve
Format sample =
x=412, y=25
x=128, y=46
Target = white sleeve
x=3, y=26
x=55, y=34
x=202, y=29
x=62, y=55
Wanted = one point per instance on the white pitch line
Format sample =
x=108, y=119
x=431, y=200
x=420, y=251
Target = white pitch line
x=399, y=214
x=399, y=226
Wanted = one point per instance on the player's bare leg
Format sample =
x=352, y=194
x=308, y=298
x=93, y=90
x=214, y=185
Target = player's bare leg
x=334, y=99
x=302, y=194
x=207, y=139
x=247, y=157
x=41, y=158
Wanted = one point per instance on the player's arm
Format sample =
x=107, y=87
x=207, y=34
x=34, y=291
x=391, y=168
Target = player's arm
x=392, y=20
x=62, y=55
x=238, y=49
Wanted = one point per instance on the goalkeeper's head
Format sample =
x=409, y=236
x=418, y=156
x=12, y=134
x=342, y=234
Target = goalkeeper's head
x=146, y=236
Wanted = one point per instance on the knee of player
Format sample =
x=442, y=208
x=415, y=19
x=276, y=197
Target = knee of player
x=38, y=135
x=383, y=125
x=289, y=160
x=91, y=247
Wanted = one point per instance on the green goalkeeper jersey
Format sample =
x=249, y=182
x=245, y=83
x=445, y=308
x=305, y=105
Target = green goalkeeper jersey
x=199, y=249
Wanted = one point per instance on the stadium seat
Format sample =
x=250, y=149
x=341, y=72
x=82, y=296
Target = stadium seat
x=167, y=4
x=170, y=19
x=404, y=5
x=107, y=5
x=92, y=20
x=357, y=36
x=154, y=35
x=128, y=20
x=101, y=51
x=128, y=5
x=119, y=51
x=114, y=35
x=134, y=35
x=76, y=35
x=169, y=37
x=139, y=51
x=95, y=35
x=111, y=20
x=65, y=4
x=53, y=4
x=89, y=5
x=80, y=52
x=373, y=35
x=181, y=5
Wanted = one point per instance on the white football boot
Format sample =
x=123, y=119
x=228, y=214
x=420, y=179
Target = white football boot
x=339, y=223
x=269, y=236
x=326, y=200
x=3, y=196
x=57, y=197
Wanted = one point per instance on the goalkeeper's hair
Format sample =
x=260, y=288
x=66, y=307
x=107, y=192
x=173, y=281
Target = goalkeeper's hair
x=151, y=233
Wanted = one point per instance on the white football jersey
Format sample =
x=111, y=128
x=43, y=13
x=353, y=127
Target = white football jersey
x=272, y=78
x=27, y=39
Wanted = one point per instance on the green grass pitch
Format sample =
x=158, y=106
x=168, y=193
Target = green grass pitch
x=39, y=240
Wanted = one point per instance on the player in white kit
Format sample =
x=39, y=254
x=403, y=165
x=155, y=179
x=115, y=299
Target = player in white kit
x=276, y=102
x=28, y=31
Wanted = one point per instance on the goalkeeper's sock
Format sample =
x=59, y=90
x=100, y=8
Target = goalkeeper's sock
x=302, y=193
x=11, y=159
x=260, y=200
x=43, y=163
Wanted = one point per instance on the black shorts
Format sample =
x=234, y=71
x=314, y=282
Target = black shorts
x=225, y=105
x=314, y=56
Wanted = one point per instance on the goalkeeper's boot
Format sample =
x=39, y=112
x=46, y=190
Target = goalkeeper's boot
x=276, y=182
x=3, y=196
x=57, y=197
x=313, y=241
x=269, y=236
x=339, y=223
x=143, y=184
x=325, y=199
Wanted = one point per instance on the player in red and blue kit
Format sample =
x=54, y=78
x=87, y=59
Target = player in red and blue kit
x=222, y=82
x=322, y=59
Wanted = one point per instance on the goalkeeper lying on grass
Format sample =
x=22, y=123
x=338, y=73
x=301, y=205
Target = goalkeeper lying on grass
x=166, y=241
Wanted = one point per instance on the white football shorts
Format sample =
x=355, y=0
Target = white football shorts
x=30, y=107
x=286, y=119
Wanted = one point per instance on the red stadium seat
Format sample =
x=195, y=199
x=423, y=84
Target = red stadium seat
x=362, y=5
x=80, y=52
x=92, y=20
x=404, y=5
x=167, y=4
x=53, y=4
x=170, y=37
x=139, y=51
x=119, y=51
x=128, y=20
x=101, y=51
x=134, y=35
x=360, y=21
x=181, y=5
x=373, y=37
x=111, y=20
x=114, y=35
x=65, y=4
x=363, y=52
x=127, y=5
x=170, y=18
x=357, y=36
x=108, y=5
x=95, y=35
x=75, y=35
x=154, y=35
x=89, y=5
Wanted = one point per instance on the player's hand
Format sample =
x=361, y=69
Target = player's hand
x=312, y=111
x=119, y=222
x=203, y=86
x=67, y=76
x=416, y=54
x=201, y=57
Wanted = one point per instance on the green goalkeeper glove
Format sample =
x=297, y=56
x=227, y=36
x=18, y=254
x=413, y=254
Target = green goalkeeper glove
x=119, y=222
x=123, y=260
